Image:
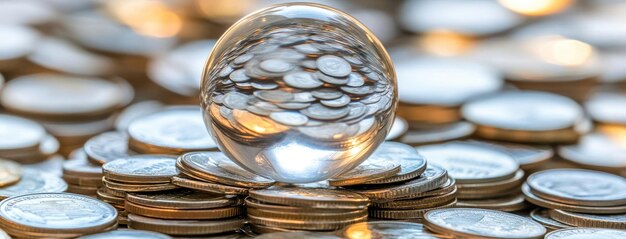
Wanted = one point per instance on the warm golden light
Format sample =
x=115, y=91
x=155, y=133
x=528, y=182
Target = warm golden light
x=562, y=51
x=536, y=7
x=616, y=133
x=445, y=43
x=261, y=125
x=358, y=232
x=153, y=19
x=224, y=10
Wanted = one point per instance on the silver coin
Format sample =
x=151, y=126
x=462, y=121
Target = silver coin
x=356, y=109
x=80, y=167
x=303, y=97
x=216, y=167
x=293, y=105
x=18, y=133
x=243, y=59
x=586, y=233
x=362, y=90
x=411, y=162
x=355, y=80
x=542, y=216
x=107, y=147
x=387, y=230
x=372, y=168
x=126, y=234
x=320, y=112
x=327, y=94
x=239, y=76
x=57, y=212
x=225, y=71
x=141, y=168
x=289, y=118
x=276, y=65
x=34, y=181
x=310, y=64
x=307, y=49
x=434, y=177
x=299, y=235
x=236, y=100
x=302, y=80
x=276, y=96
x=330, y=131
x=263, y=85
x=334, y=66
x=579, y=187
x=331, y=80
x=469, y=222
x=471, y=163
x=339, y=102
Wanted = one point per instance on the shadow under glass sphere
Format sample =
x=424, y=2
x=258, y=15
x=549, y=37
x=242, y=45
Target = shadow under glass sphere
x=298, y=92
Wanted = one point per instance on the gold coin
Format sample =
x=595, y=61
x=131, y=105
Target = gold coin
x=304, y=225
x=311, y=197
x=163, y=213
x=534, y=199
x=207, y=186
x=185, y=227
x=617, y=221
x=183, y=199
x=126, y=187
x=405, y=214
x=506, y=204
x=10, y=172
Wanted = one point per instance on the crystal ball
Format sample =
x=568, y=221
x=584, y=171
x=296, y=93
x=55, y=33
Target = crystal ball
x=298, y=92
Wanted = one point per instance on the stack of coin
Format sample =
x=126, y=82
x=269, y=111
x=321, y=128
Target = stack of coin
x=542, y=216
x=422, y=133
x=82, y=176
x=106, y=147
x=527, y=117
x=432, y=90
x=25, y=141
x=486, y=177
x=215, y=173
x=310, y=209
x=185, y=212
x=173, y=131
x=387, y=229
x=55, y=215
x=139, y=173
x=126, y=234
x=482, y=223
x=71, y=108
x=527, y=64
x=16, y=182
x=529, y=157
x=579, y=197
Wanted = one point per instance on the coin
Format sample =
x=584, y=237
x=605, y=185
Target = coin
x=386, y=230
x=403, y=214
x=125, y=234
x=141, y=187
x=307, y=216
x=321, y=112
x=304, y=225
x=432, y=178
x=412, y=163
x=373, y=168
x=311, y=197
x=579, y=187
x=534, y=199
x=60, y=96
x=590, y=233
x=18, y=134
x=300, y=235
x=527, y=156
x=469, y=222
x=333, y=66
x=599, y=150
x=471, y=163
x=422, y=202
x=617, y=221
x=289, y=118
x=605, y=107
x=216, y=167
x=134, y=111
x=10, y=173
x=182, y=199
x=72, y=213
x=541, y=215
x=166, y=213
x=34, y=181
x=106, y=147
x=302, y=80
x=398, y=128
x=174, y=130
x=505, y=204
x=80, y=167
x=141, y=169
x=208, y=186
x=185, y=227
x=437, y=134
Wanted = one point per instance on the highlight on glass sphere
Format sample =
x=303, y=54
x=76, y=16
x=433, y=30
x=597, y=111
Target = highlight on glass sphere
x=298, y=92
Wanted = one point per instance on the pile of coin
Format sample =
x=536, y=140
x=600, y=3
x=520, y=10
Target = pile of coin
x=138, y=173
x=82, y=176
x=16, y=181
x=481, y=223
x=71, y=108
x=297, y=208
x=399, y=183
x=486, y=177
x=25, y=141
x=578, y=197
x=527, y=117
x=55, y=215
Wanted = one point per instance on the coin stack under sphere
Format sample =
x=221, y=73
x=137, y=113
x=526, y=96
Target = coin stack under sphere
x=578, y=198
x=399, y=183
x=138, y=173
x=486, y=177
x=82, y=176
x=55, y=215
x=310, y=209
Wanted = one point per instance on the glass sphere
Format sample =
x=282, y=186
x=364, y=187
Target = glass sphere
x=298, y=92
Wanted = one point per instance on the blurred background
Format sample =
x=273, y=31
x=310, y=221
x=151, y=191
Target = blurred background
x=132, y=57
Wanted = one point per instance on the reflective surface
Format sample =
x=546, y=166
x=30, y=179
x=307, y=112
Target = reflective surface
x=298, y=93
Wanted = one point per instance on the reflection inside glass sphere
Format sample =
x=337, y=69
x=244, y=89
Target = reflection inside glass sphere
x=298, y=93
